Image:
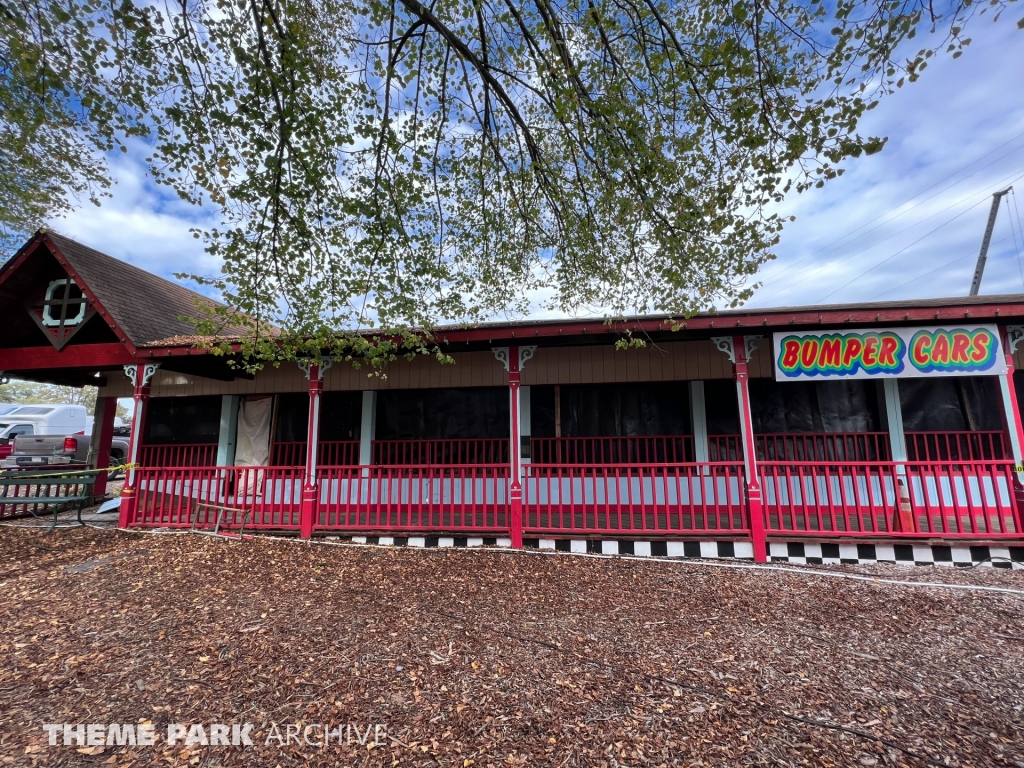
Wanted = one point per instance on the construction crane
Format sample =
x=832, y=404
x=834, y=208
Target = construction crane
x=979, y=268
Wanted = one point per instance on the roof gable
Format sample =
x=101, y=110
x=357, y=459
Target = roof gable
x=139, y=306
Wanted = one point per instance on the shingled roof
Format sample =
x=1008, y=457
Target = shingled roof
x=144, y=306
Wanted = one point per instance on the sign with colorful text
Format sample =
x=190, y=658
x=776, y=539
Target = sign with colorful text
x=903, y=352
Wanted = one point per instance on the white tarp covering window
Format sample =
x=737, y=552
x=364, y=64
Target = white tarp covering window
x=253, y=444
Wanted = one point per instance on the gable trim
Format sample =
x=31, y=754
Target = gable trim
x=40, y=239
x=90, y=356
x=63, y=333
x=97, y=304
x=20, y=257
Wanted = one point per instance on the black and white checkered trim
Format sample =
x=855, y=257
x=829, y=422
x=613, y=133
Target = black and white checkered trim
x=732, y=550
x=800, y=552
x=741, y=550
x=426, y=541
x=907, y=554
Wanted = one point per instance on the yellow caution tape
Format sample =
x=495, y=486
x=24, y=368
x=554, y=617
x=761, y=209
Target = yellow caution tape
x=43, y=474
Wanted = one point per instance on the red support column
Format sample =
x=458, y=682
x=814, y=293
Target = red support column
x=102, y=438
x=310, y=486
x=141, y=374
x=1015, y=429
x=754, y=508
x=516, y=486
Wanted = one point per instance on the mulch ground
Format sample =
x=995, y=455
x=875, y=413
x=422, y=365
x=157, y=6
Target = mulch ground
x=485, y=658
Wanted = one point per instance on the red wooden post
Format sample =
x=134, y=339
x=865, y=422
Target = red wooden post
x=739, y=367
x=1012, y=335
x=141, y=374
x=516, y=487
x=513, y=358
x=103, y=429
x=310, y=487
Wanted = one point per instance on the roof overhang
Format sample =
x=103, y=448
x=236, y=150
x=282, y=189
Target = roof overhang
x=181, y=354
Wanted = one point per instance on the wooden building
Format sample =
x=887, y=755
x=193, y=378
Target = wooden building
x=786, y=433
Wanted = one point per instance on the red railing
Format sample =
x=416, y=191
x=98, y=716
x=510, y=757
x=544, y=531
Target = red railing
x=182, y=455
x=832, y=446
x=330, y=453
x=261, y=497
x=634, y=449
x=417, y=498
x=725, y=448
x=628, y=499
x=963, y=499
x=807, y=446
x=455, y=452
x=973, y=498
x=957, y=446
x=865, y=446
x=648, y=449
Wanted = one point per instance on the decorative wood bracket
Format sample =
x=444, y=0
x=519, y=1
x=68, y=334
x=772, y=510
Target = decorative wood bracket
x=306, y=365
x=525, y=353
x=750, y=343
x=501, y=355
x=1014, y=336
x=724, y=344
x=148, y=371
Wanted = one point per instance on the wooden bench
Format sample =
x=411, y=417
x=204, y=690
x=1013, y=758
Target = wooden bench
x=246, y=514
x=48, y=488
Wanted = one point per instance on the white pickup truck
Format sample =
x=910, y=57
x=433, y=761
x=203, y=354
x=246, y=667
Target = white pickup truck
x=35, y=435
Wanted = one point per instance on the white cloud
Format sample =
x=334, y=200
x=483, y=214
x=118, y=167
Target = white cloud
x=143, y=223
x=942, y=132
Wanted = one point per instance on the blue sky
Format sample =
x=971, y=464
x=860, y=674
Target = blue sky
x=955, y=137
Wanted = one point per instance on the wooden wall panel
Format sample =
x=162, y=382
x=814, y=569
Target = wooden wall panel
x=287, y=378
x=761, y=361
x=644, y=368
x=669, y=361
x=702, y=360
x=471, y=369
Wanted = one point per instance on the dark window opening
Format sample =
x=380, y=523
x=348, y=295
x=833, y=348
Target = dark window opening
x=721, y=408
x=611, y=423
x=292, y=417
x=440, y=414
x=951, y=418
x=182, y=420
x=542, y=411
x=340, y=416
x=619, y=410
x=814, y=406
x=951, y=404
x=818, y=420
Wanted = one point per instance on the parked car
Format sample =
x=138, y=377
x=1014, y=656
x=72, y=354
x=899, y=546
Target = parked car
x=48, y=450
x=42, y=419
x=33, y=435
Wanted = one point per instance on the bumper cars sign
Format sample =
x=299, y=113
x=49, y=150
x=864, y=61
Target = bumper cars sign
x=900, y=352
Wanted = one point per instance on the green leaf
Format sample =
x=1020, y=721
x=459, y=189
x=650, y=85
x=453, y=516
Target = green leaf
x=376, y=165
